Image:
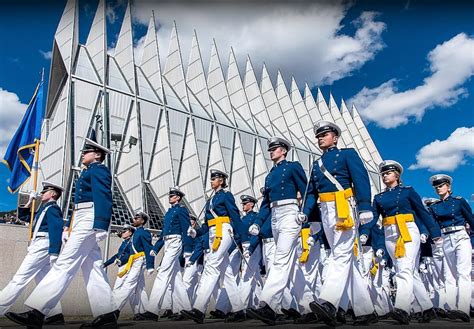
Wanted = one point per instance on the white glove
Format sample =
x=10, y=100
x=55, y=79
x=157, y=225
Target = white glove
x=301, y=218
x=254, y=229
x=152, y=253
x=100, y=235
x=64, y=237
x=423, y=238
x=149, y=271
x=363, y=239
x=379, y=253
x=365, y=217
x=247, y=254
x=192, y=232
x=438, y=242
x=102, y=266
x=117, y=262
x=382, y=263
x=310, y=241
x=423, y=268
x=52, y=259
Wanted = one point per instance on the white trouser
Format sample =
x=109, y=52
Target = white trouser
x=190, y=275
x=268, y=253
x=35, y=265
x=228, y=294
x=380, y=291
x=169, y=275
x=419, y=290
x=250, y=276
x=342, y=273
x=286, y=233
x=130, y=287
x=310, y=268
x=80, y=251
x=404, y=266
x=457, y=253
x=439, y=299
x=216, y=263
x=322, y=270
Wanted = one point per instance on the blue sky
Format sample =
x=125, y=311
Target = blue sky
x=407, y=65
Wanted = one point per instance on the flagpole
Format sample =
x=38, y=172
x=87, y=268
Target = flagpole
x=35, y=187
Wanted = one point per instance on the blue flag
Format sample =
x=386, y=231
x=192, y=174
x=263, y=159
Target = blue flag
x=20, y=152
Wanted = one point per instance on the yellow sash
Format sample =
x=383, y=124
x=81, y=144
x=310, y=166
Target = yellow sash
x=401, y=221
x=375, y=267
x=345, y=221
x=130, y=261
x=217, y=222
x=355, y=249
x=304, y=234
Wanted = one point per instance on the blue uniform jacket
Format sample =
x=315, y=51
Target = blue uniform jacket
x=141, y=241
x=284, y=181
x=347, y=168
x=223, y=204
x=122, y=255
x=248, y=220
x=188, y=243
x=94, y=185
x=453, y=211
x=52, y=224
x=404, y=200
x=202, y=244
x=176, y=221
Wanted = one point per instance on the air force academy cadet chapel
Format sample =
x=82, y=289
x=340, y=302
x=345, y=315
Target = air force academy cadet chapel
x=170, y=119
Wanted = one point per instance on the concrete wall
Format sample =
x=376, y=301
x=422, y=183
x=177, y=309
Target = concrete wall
x=13, y=245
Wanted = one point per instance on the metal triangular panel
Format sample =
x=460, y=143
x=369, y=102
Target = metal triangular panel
x=161, y=169
x=149, y=120
x=366, y=136
x=248, y=147
x=239, y=178
x=145, y=89
x=196, y=81
x=216, y=160
x=124, y=49
x=84, y=67
x=66, y=35
x=311, y=105
x=337, y=119
x=177, y=123
x=203, y=129
x=119, y=111
x=326, y=114
x=174, y=73
x=262, y=165
x=266, y=155
x=290, y=115
x=154, y=209
x=227, y=140
x=116, y=78
x=303, y=116
x=218, y=90
x=238, y=98
x=121, y=211
x=256, y=104
x=150, y=61
x=129, y=167
x=96, y=41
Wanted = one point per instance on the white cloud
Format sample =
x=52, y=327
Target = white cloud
x=448, y=154
x=301, y=38
x=451, y=64
x=46, y=54
x=11, y=112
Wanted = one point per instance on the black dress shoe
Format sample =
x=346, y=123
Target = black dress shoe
x=238, y=316
x=341, y=316
x=279, y=317
x=138, y=317
x=265, y=314
x=440, y=313
x=195, y=315
x=464, y=317
x=427, y=316
x=107, y=320
x=451, y=315
x=32, y=319
x=167, y=314
x=384, y=317
x=471, y=312
x=400, y=315
x=55, y=320
x=148, y=316
x=325, y=311
x=217, y=314
x=416, y=316
x=291, y=313
x=177, y=317
x=306, y=319
x=365, y=320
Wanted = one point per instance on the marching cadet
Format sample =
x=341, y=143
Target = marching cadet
x=453, y=213
x=399, y=206
x=282, y=185
x=221, y=215
x=190, y=268
x=42, y=252
x=340, y=181
x=133, y=284
x=175, y=224
x=93, y=210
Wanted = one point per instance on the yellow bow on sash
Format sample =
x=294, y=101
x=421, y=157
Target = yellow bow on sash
x=217, y=222
x=130, y=261
x=375, y=267
x=304, y=234
x=356, y=247
x=345, y=221
x=401, y=221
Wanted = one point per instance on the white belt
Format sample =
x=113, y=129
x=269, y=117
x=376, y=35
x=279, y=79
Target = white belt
x=42, y=235
x=206, y=251
x=171, y=236
x=83, y=205
x=451, y=229
x=268, y=240
x=187, y=254
x=283, y=202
